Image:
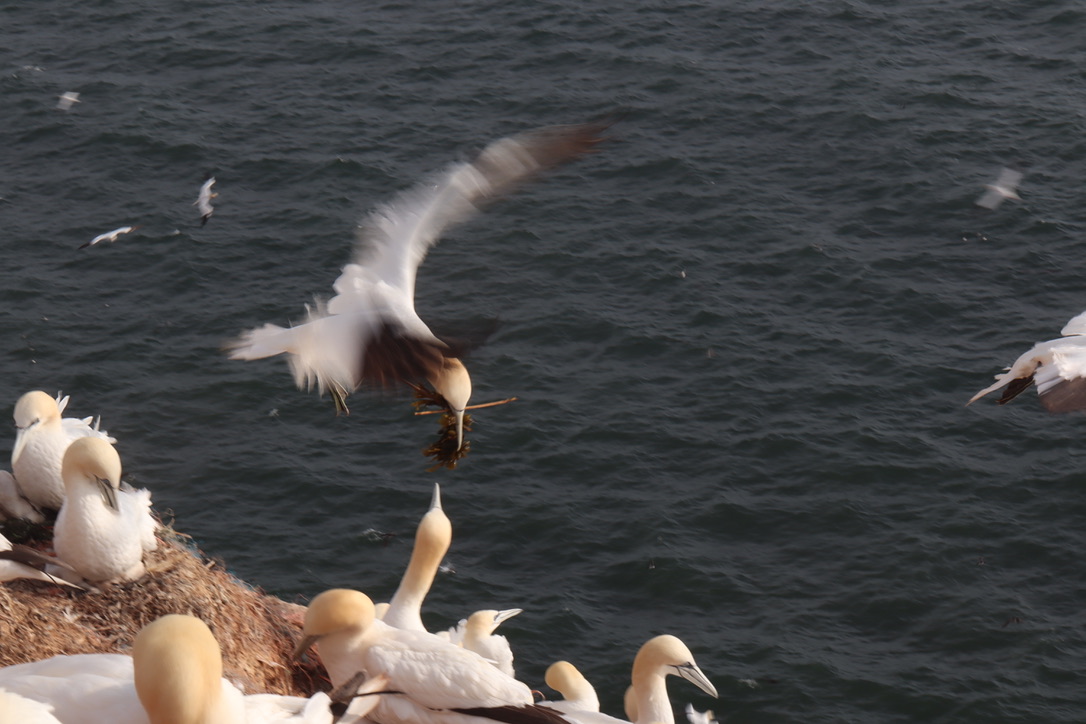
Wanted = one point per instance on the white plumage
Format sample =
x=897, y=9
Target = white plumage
x=1003, y=188
x=577, y=693
x=432, y=540
x=476, y=633
x=10, y=570
x=369, y=332
x=1058, y=367
x=203, y=201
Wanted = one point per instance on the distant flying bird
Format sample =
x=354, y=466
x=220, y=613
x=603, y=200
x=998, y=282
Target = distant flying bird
x=1005, y=187
x=203, y=202
x=1058, y=367
x=109, y=236
x=370, y=332
x=67, y=100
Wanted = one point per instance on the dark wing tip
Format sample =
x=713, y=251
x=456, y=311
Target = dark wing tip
x=1014, y=388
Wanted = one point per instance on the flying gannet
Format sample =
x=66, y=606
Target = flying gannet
x=110, y=236
x=1003, y=188
x=67, y=100
x=102, y=530
x=432, y=539
x=1058, y=367
x=369, y=332
x=203, y=201
x=40, y=441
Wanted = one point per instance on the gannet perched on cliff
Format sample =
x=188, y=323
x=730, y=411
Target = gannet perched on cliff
x=40, y=442
x=577, y=693
x=476, y=633
x=432, y=540
x=369, y=332
x=102, y=530
x=1058, y=366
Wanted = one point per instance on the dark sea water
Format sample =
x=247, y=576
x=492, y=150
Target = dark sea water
x=742, y=335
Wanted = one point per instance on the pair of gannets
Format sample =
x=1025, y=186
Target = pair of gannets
x=42, y=437
x=1057, y=366
x=102, y=530
x=174, y=676
x=440, y=683
x=369, y=332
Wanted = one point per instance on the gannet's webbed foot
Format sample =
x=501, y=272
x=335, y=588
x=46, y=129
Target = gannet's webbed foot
x=339, y=398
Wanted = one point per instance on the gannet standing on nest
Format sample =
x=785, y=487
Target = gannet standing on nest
x=369, y=332
x=432, y=540
x=40, y=442
x=203, y=201
x=102, y=530
x=1058, y=366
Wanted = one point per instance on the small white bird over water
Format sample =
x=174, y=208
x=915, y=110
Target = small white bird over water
x=1003, y=188
x=102, y=530
x=110, y=236
x=40, y=442
x=369, y=332
x=67, y=100
x=1057, y=366
x=203, y=201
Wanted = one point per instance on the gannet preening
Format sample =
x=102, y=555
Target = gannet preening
x=13, y=504
x=432, y=540
x=1058, y=366
x=369, y=332
x=110, y=236
x=476, y=633
x=40, y=442
x=438, y=682
x=203, y=201
x=1003, y=188
x=577, y=693
x=102, y=530
x=67, y=100
x=25, y=563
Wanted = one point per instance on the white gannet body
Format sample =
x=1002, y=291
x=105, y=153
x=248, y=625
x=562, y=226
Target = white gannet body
x=577, y=693
x=693, y=716
x=476, y=633
x=102, y=530
x=1003, y=188
x=203, y=201
x=12, y=569
x=66, y=100
x=109, y=236
x=18, y=709
x=13, y=504
x=40, y=442
x=80, y=689
x=659, y=657
x=439, y=683
x=369, y=332
x=432, y=540
x=1057, y=366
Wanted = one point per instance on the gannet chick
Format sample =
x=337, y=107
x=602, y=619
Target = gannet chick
x=369, y=332
x=1057, y=366
x=577, y=693
x=1003, y=188
x=67, y=100
x=439, y=683
x=432, y=540
x=13, y=504
x=110, y=236
x=476, y=633
x=203, y=201
x=102, y=531
x=40, y=443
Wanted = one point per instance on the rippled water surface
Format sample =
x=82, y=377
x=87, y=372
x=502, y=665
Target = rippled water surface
x=742, y=335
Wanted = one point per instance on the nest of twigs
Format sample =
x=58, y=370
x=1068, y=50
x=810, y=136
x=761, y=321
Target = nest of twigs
x=257, y=632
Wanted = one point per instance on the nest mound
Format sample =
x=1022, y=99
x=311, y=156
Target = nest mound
x=257, y=632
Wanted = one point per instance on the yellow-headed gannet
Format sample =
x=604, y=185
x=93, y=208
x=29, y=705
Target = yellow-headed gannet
x=432, y=540
x=1003, y=188
x=476, y=633
x=203, y=201
x=102, y=530
x=1058, y=367
x=67, y=99
x=577, y=693
x=110, y=236
x=40, y=441
x=437, y=682
x=369, y=332
x=657, y=658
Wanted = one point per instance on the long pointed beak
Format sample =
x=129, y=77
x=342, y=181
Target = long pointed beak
x=108, y=493
x=435, y=502
x=459, y=428
x=303, y=646
x=692, y=673
x=20, y=442
x=507, y=614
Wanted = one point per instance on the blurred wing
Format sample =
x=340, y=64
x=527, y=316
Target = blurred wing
x=1062, y=383
x=1009, y=178
x=990, y=199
